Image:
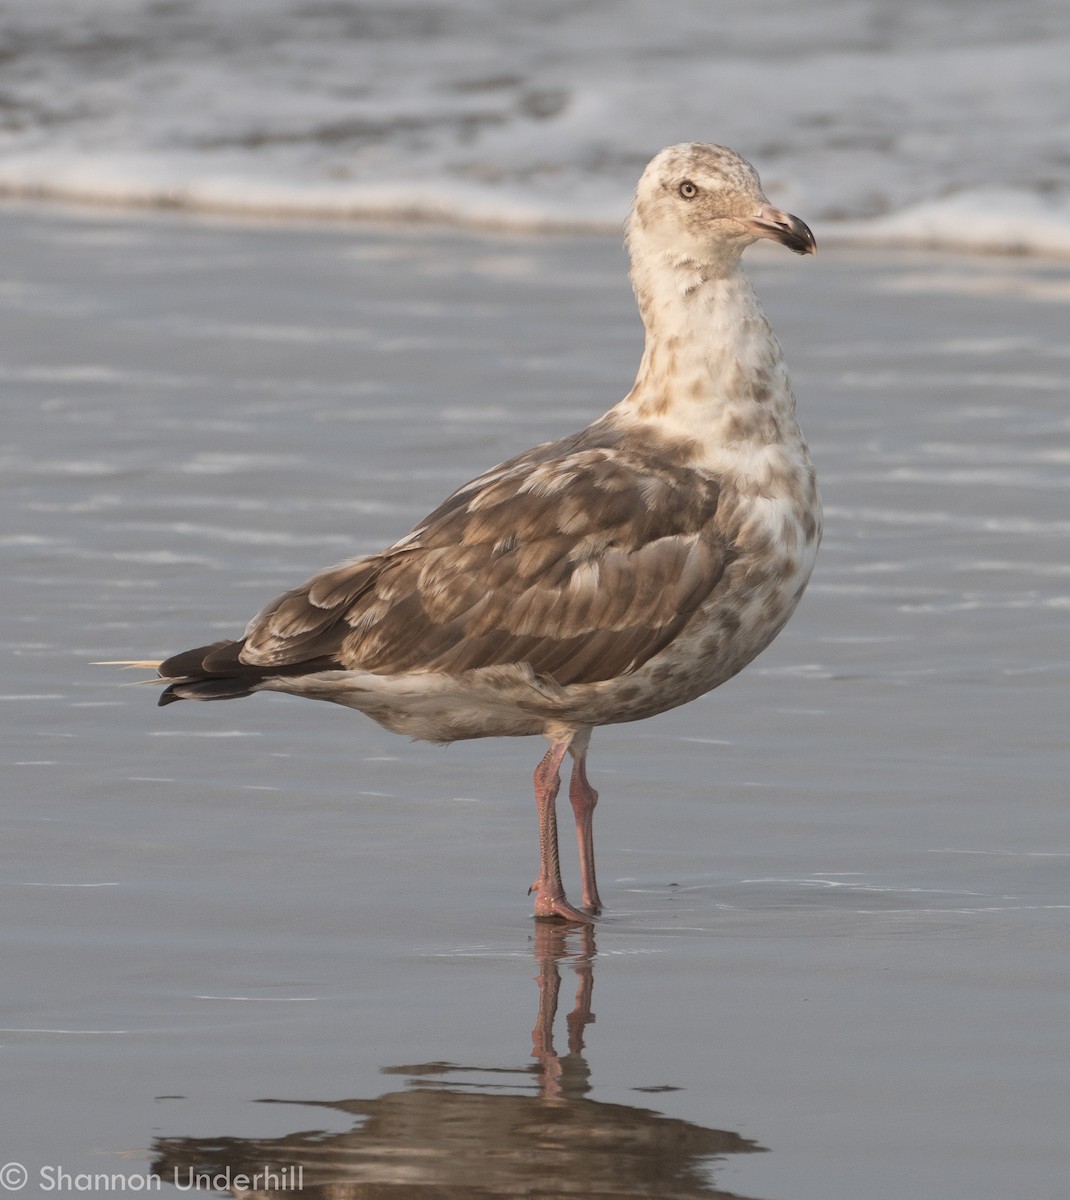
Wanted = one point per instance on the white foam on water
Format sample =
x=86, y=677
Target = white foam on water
x=919, y=124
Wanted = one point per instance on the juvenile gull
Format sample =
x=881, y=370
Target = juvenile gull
x=604, y=577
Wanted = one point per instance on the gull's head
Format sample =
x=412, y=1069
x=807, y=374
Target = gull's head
x=703, y=204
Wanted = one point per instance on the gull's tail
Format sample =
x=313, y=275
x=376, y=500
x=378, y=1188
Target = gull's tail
x=213, y=672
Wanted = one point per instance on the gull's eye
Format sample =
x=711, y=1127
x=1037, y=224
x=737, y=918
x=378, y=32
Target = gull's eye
x=688, y=190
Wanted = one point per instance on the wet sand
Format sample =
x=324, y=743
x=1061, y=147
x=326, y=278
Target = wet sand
x=835, y=961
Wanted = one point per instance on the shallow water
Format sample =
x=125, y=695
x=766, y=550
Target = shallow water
x=835, y=958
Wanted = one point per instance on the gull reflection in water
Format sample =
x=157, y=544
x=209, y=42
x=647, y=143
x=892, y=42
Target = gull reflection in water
x=456, y=1132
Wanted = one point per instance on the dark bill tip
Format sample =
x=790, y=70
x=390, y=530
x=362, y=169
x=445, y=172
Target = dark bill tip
x=797, y=236
x=782, y=227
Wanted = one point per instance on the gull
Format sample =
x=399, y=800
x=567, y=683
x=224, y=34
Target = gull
x=603, y=577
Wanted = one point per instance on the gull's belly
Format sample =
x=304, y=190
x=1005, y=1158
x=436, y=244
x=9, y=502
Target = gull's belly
x=775, y=553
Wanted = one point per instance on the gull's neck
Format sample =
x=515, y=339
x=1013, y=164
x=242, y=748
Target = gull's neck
x=712, y=371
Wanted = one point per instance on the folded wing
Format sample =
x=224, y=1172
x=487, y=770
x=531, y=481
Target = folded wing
x=582, y=565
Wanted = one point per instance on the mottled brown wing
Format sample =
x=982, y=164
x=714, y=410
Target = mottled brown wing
x=583, y=565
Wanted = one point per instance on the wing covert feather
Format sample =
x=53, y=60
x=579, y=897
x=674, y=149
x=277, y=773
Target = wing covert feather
x=583, y=563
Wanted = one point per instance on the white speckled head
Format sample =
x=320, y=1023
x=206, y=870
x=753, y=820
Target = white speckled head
x=704, y=204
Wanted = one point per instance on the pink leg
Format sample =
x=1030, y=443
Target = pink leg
x=549, y=891
x=584, y=798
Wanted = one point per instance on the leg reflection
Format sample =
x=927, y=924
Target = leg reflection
x=567, y=1077
x=454, y=1130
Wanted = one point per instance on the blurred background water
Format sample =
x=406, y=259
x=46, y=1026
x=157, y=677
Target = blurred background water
x=906, y=120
